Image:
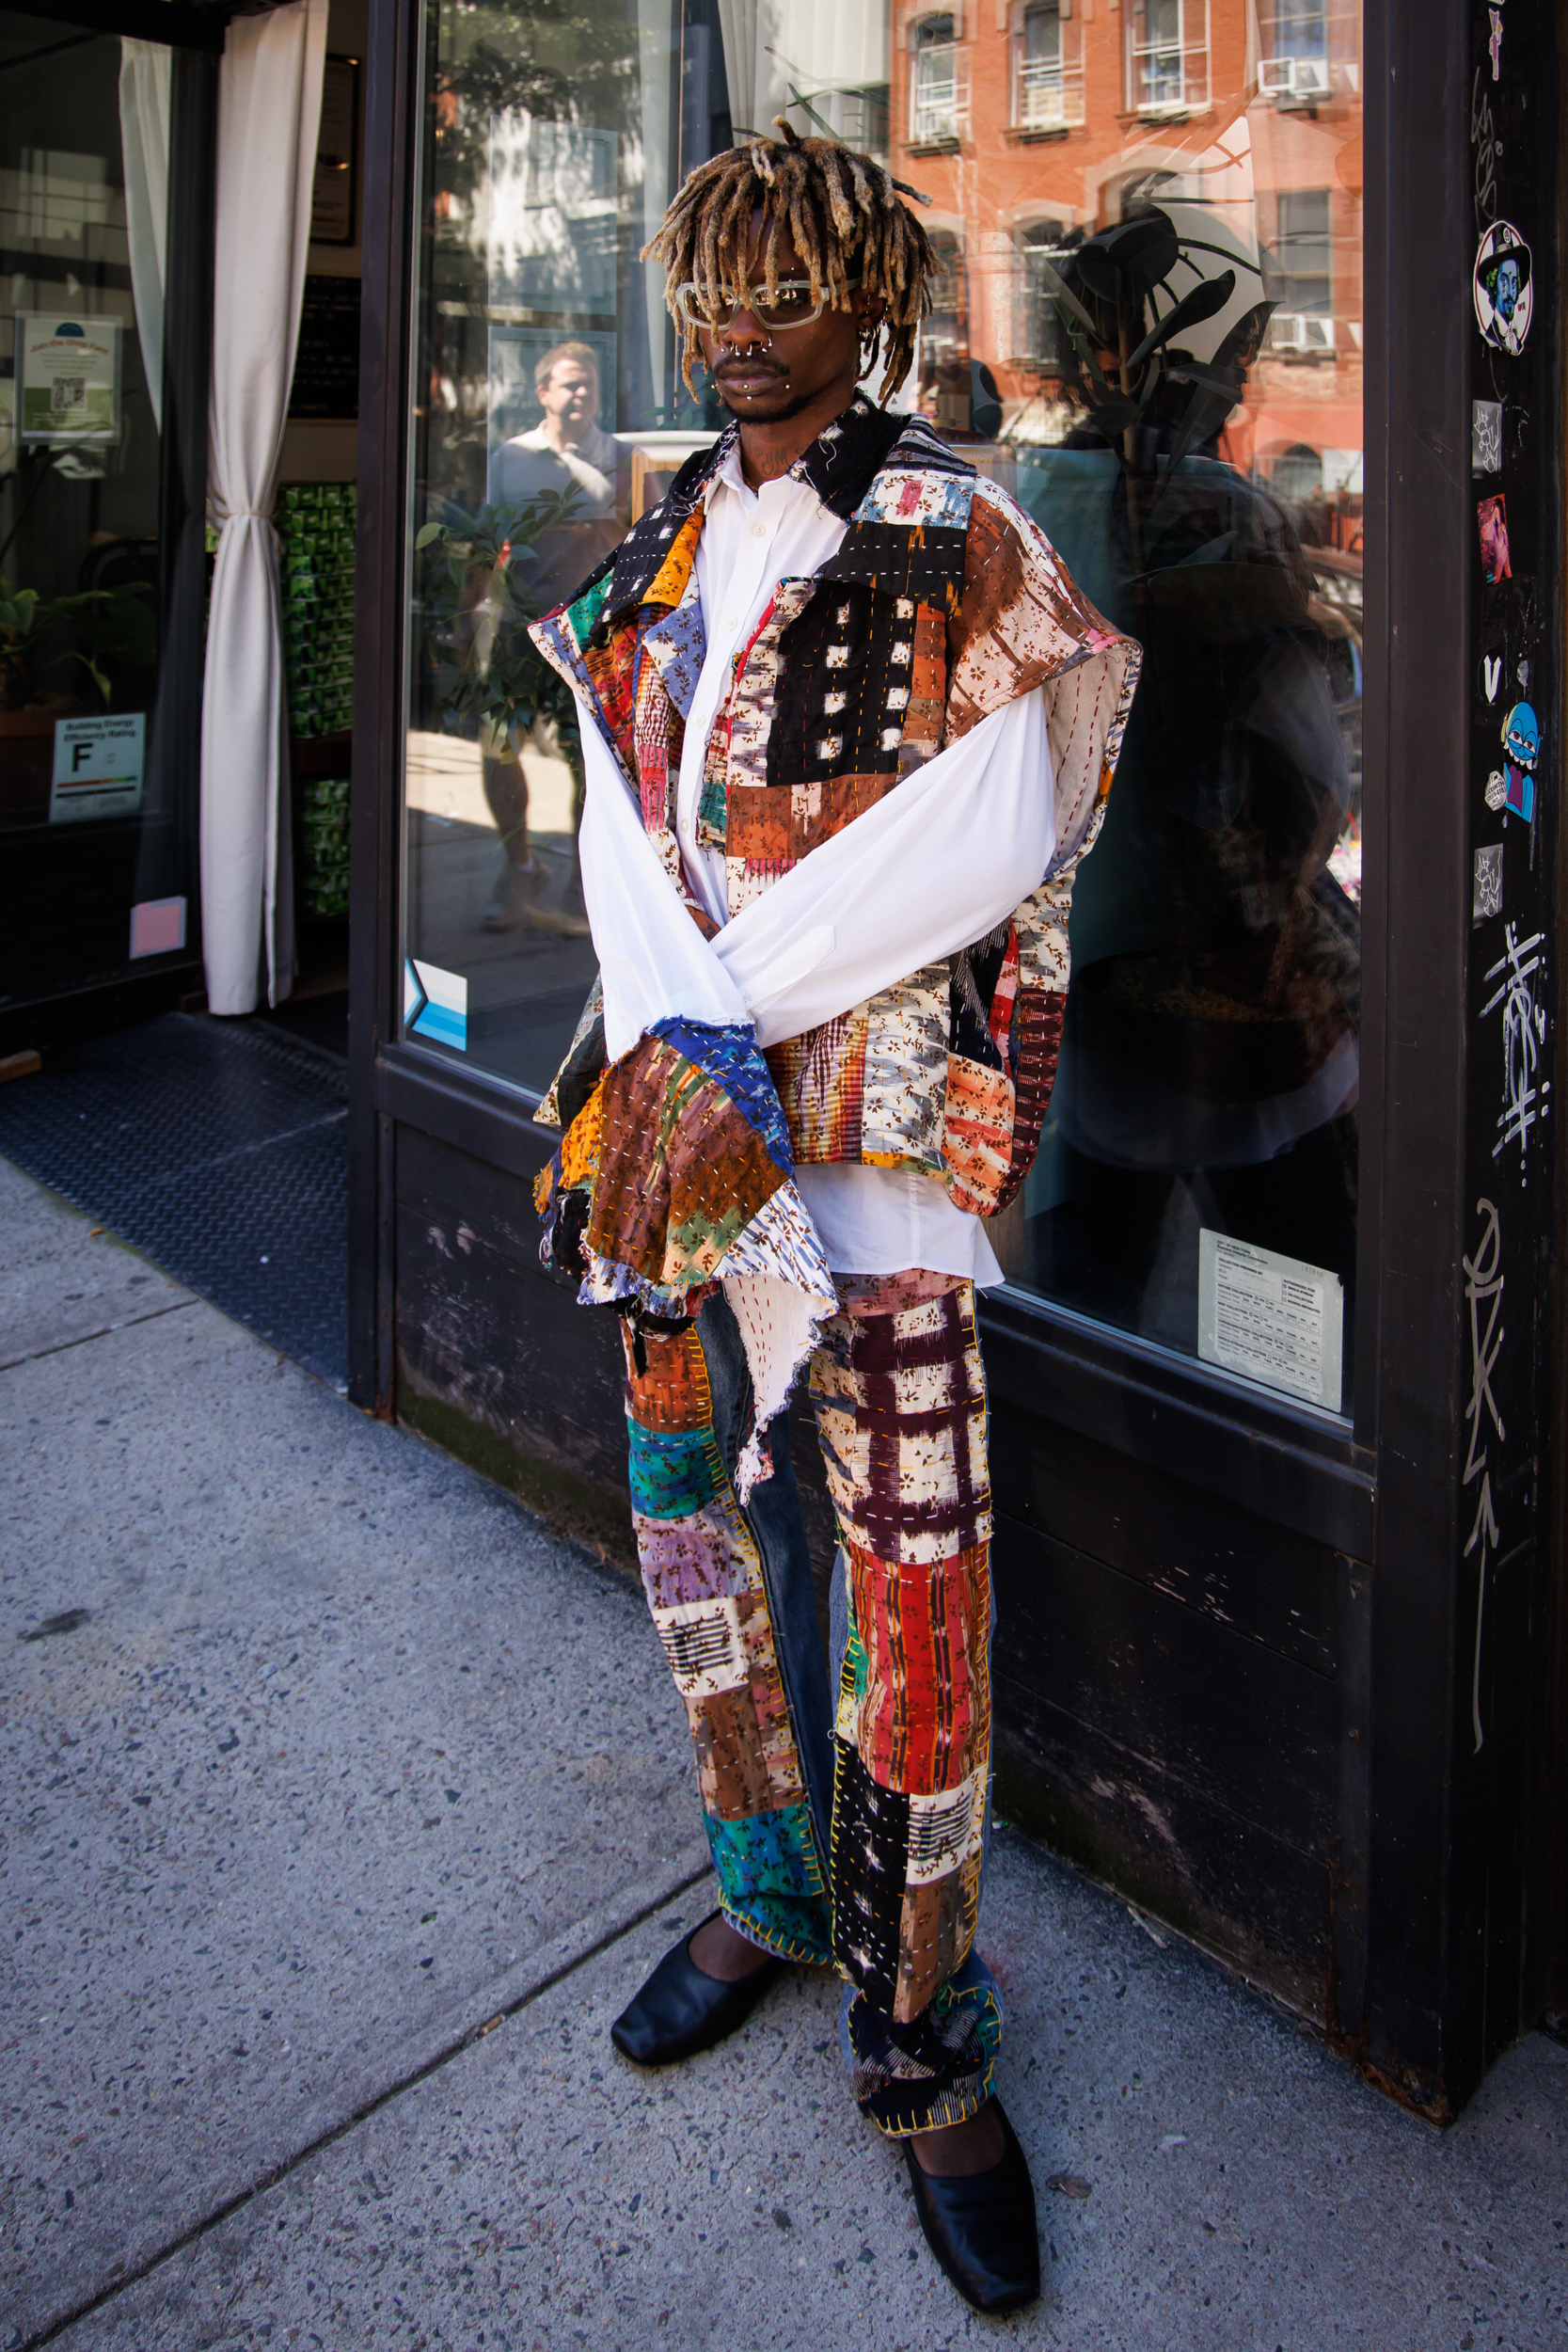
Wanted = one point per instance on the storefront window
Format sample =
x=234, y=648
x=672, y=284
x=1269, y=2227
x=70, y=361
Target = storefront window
x=1148, y=328
x=97, y=841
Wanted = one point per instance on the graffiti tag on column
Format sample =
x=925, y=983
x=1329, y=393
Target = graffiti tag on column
x=1483, y=1287
x=1524, y=1034
x=1484, y=139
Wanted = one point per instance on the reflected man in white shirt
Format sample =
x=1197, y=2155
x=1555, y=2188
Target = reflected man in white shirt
x=567, y=450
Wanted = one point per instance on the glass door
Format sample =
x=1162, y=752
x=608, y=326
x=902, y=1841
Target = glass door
x=97, y=763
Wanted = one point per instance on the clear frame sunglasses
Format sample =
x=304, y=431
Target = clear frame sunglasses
x=794, y=306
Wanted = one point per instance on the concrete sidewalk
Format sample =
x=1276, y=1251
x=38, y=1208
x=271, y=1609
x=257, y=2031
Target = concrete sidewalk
x=344, y=1805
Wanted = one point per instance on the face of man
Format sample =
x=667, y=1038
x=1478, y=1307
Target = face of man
x=767, y=373
x=1508, y=291
x=571, y=396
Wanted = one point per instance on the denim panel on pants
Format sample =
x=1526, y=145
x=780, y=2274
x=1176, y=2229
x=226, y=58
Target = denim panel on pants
x=850, y=1834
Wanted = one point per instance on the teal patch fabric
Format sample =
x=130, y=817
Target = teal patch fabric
x=770, y=1884
x=673, y=1476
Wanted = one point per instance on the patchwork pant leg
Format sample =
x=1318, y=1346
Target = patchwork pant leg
x=732, y=1598
x=900, y=1402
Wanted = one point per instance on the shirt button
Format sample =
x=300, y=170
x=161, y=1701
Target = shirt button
x=732, y=622
x=759, y=531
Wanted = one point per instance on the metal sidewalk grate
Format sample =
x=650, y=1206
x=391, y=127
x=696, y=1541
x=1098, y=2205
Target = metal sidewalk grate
x=217, y=1148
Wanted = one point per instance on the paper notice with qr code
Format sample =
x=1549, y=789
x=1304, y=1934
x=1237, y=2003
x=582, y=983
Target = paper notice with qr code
x=1270, y=1318
x=68, y=372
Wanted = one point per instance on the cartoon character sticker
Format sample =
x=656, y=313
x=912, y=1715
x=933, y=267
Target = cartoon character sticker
x=1521, y=751
x=1504, y=295
x=1492, y=521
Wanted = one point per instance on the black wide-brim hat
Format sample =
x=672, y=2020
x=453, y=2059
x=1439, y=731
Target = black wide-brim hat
x=1499, y=254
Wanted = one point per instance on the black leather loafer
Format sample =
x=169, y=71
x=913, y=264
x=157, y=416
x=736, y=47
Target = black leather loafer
x=682, y=2009
x=982, y=2227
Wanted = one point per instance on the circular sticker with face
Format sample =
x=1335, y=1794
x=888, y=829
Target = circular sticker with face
x=1504, y=295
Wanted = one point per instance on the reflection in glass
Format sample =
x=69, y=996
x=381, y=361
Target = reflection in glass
x=1147, y=327
x=96, y=843
x=1174, y=342
x=935, y=114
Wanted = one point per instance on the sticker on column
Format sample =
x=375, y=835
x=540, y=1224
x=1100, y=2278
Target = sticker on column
x=97, y=767
x=1521, y=752
x=1491, y=522
x=1504, y=295
x=1274, y=1319
x=1487, y=898
x=1486, y=437
x=435, y=1004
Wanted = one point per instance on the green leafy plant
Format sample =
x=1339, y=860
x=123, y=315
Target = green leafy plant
x=477, y=603
x=113, y=624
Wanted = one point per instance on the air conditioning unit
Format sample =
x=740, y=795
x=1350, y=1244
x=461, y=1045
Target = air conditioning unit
x=1301, y=335
x=1293, y=80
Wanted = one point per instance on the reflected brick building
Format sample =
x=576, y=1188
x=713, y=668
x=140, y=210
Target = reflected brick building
x=1033, y=123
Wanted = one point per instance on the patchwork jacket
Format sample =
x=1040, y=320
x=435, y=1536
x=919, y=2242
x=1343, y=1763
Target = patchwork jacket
x=944, y=602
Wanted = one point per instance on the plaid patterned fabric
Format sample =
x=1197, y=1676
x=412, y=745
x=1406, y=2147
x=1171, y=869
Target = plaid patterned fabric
x=900, y=1398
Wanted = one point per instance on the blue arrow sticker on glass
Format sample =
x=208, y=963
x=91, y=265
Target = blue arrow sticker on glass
x=443, y=1017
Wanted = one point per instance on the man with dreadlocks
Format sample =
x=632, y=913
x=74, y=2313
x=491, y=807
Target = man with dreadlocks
x=848, y=728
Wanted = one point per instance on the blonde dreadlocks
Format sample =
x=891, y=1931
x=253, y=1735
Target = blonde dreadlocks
x=840, y=210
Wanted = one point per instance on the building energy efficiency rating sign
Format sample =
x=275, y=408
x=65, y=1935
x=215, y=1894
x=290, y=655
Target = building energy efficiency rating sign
x=1272, y=1319
x=97, y=767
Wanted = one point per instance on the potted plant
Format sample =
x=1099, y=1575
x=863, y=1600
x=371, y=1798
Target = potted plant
x=110, y=626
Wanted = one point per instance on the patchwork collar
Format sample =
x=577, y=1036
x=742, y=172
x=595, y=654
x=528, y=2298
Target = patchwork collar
x=840, y=466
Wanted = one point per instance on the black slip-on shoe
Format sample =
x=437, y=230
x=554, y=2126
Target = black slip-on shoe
x=982, y=2226
x=682, y=2009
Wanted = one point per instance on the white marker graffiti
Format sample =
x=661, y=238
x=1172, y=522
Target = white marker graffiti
x=1524, y=1033
x=1482, y=1284
x=1487, y=896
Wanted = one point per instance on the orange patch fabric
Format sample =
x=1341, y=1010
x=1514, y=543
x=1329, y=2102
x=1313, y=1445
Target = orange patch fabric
x=672, y=1395
x=786, y=820
x=977, y=1133
x=821, y=1077
x=922, y=1721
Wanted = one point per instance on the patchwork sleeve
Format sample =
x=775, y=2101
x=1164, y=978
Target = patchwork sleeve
x=1023, y=622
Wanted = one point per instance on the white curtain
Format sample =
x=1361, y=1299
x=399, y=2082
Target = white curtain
x=269, y=111
x=144, y=85
x=653, y=44
x=816, y=47
x=746, y=27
